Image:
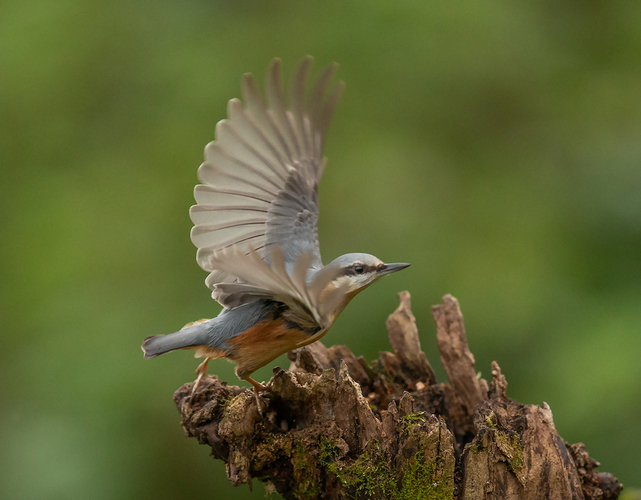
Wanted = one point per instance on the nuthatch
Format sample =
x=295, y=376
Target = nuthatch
x=255, y=228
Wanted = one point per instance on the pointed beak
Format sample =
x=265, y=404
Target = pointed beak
x=391, y=268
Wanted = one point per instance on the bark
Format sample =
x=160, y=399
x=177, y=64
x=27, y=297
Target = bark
x=334, y=426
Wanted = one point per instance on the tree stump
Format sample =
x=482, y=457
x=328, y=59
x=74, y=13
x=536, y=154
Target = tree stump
x=334, y=426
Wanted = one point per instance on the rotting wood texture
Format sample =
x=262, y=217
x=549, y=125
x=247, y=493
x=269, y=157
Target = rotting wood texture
x=335, y=427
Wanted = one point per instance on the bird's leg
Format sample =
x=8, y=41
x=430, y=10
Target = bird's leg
x=201, y=371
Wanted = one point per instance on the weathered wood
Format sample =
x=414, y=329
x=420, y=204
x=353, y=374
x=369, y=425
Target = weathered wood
x=403, y=336
x=467, y=390
x=334, y=426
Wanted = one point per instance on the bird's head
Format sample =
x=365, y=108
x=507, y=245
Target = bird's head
x=356, y=271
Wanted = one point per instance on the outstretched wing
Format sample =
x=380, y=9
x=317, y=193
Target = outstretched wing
x=260, y=176
x=311, y=302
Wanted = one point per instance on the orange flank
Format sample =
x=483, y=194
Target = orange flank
x=262, y=343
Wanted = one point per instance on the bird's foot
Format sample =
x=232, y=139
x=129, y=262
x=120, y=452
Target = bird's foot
x=258, y=388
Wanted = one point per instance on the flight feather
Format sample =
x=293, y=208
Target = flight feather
x=259, y=180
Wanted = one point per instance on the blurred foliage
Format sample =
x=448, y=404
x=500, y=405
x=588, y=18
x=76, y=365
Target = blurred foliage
x=495, y=145
x=631, y=494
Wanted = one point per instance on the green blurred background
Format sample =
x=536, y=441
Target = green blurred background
x=494, y=145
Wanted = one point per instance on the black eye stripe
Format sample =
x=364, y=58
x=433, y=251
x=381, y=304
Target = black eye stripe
x=358, y=269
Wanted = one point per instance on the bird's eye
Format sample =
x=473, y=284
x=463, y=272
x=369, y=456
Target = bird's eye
x=358, y=269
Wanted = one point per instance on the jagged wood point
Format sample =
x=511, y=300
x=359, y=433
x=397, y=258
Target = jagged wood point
x=335, y=426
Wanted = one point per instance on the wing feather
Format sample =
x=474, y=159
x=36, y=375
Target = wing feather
x=258, y=112
x=209, y=214
x=247, y=126
x=218, y=160
x=297, y=106
x=276, y=109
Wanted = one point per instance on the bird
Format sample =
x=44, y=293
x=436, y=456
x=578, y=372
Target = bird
x=255, y=228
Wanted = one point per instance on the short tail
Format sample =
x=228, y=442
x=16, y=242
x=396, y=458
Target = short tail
x=195, y=335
